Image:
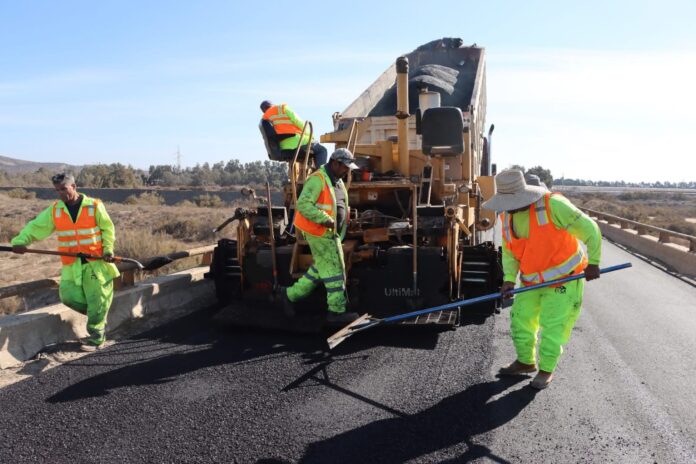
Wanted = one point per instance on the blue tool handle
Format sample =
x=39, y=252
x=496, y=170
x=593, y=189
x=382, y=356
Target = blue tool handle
x=495, y=296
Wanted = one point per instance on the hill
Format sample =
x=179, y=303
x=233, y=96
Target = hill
x=13, y=165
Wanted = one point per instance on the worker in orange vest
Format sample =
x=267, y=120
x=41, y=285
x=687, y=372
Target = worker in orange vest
x=83, y=226
x=540, y=243
x=288, y=127
x=322, y=216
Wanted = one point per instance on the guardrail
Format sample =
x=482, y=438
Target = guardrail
x=675, y=250
x=663, y=235
x=125, y=280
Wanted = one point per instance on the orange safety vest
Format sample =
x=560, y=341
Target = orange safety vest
x=325, y=202
x=549, y=253
x=281, y=121
x=82, y=236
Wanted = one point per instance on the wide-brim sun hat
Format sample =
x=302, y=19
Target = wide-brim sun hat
x=512, y=192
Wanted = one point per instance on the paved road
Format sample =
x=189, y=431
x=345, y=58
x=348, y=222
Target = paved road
x=188, y=392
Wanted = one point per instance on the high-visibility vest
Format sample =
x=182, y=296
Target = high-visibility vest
x=325, y=202
x=82, y=236
x=282, y=124
x=549, y=253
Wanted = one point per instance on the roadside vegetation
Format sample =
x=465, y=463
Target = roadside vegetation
x=116, y=175
x=672, y=211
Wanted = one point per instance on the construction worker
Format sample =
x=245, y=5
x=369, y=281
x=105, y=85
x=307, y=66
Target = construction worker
x=322, y=215
x=82, y=226
x=540, y=243
x=288, y=127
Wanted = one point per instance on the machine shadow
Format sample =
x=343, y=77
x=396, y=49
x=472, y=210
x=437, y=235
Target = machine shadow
x=454, y=420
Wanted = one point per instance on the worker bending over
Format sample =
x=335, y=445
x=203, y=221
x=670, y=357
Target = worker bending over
x=540, y=238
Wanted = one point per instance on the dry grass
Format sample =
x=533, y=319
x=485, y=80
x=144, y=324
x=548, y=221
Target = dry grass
x=20, y=193
x=667, y=210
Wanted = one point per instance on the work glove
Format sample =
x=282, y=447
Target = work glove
x=506, y=288
x=108, y=258
x=329, y=223
x=20, y=249
x=591, y=272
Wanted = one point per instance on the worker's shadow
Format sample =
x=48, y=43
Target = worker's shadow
x=168, y=352
x=453, y=421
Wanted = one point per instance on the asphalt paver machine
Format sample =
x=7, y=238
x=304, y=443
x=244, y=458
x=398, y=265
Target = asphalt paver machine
x=417, y=235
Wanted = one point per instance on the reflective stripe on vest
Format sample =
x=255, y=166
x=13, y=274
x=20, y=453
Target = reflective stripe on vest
x=282, y=124
x=325, y=202
x=540, y=209
x=81, y=236
x=548, y=253
x=555, y=272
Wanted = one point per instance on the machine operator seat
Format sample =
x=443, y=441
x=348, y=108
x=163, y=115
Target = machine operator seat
x=443, y=131
x=272, y=142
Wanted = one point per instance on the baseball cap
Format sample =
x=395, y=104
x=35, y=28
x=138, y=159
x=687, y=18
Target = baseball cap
x=265, y=105
x=344, y=156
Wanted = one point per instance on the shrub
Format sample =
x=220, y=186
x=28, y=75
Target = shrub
x=145, y=198
x=685, y=228
x=134, y=243
x=139, y=244
x=208, y=201
x=9, y=228
x=187, y=230
x=186, y=204
x=633, y=196
x=20, y=193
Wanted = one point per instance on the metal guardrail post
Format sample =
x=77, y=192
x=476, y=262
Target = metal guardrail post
x=663, y=237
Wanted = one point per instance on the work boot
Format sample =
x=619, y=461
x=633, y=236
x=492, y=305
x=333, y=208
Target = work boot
x=341, y=318
x=542, y=380
x=517, y=368
x=89, y=346
x=288, y=306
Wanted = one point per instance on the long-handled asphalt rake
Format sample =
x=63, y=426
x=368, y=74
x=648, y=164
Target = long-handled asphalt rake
x=154, y=263
x=366, y=321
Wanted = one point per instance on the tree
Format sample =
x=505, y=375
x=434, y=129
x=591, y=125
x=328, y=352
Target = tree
x=544, y=175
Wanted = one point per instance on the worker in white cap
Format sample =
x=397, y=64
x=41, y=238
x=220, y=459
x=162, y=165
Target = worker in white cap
x=322, y=216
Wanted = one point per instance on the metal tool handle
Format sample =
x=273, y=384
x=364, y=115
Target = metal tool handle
x=495, y=296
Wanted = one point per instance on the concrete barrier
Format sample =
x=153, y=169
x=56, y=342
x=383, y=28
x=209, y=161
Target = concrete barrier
x=24, y=335
x=676, y=257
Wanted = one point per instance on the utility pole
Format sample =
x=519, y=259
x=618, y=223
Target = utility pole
x=178, y=159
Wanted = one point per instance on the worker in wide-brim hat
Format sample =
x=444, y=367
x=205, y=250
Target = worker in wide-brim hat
x=541, y=233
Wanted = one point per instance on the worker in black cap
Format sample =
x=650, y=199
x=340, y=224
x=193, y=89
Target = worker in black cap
x=288, y=127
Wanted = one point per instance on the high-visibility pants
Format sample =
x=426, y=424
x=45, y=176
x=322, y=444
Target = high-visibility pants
x=554, y=311
x=327, y=268
x=92, y=298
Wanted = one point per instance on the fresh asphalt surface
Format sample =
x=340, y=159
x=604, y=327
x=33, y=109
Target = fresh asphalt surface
x=191, y=392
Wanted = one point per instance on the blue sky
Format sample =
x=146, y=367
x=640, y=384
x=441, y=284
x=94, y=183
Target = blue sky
x=597, y=90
